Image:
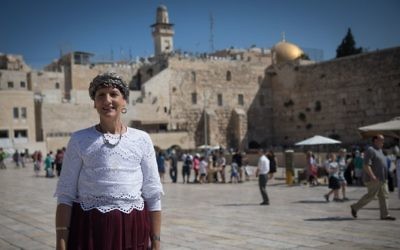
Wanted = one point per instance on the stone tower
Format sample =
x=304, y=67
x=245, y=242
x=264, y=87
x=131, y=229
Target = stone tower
x=162, y=32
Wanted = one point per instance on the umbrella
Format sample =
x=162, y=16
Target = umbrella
x=317, y=140
x=390, y=128
x=216, y=147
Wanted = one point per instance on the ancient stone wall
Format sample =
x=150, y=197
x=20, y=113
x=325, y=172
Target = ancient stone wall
x=334, y=98
x=217, y=85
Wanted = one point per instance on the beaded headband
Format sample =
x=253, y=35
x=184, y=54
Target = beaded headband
x=108, y=80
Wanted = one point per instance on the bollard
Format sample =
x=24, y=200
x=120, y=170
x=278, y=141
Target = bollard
x=289, y=166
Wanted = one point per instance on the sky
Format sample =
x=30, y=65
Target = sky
x=40, y=30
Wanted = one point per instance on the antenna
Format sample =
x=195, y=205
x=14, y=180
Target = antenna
x=211, y=33
x=112, y=54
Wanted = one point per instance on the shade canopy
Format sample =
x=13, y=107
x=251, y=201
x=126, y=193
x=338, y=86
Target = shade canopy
x=317, y=140
x=390, y=128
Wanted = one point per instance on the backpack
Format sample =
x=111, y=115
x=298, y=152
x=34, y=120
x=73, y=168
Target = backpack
x=188, y=161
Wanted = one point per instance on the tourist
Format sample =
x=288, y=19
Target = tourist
x=16, y=158
x=48, y=162
x=342, y=162
x=186, y=168
x=375, y=178
x=331, y=167
x=161, y=165
x=237, y=158
x=358, y=167
x=272, y=164
x=196, y=167
x=203, y=169
x=109, y=191
x=59, y=160
x=221, y=165
x=173, y=170
x=262, y=174
x=3, y=156
x=312, y=169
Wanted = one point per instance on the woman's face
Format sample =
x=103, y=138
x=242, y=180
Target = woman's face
x=109, y=102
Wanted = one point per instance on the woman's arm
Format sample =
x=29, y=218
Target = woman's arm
x=63, y=218
x=155, y=220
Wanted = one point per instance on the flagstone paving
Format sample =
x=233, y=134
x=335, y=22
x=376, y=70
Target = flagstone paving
x=213, y=216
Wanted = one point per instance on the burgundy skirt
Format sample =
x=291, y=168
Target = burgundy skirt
x=114, y=230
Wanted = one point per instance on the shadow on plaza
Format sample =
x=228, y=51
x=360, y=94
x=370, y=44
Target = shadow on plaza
x=336, y=218
x=311, y=201
x=377, y=208
x=238, y=205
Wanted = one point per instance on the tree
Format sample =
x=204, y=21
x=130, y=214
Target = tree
x=304, y=57
x=348, y=46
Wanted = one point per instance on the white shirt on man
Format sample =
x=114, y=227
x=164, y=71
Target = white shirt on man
x=263, y=165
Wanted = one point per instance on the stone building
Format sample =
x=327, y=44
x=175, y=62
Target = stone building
x=17, y=113
x=234, y=98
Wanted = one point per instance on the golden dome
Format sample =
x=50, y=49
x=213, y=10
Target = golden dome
x=284, y=51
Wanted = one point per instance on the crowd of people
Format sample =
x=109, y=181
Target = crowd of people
x=51, y=164
x=209, y=166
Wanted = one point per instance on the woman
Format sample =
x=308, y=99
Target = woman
x=109, y=191
x=342, y=162
x=312, y=169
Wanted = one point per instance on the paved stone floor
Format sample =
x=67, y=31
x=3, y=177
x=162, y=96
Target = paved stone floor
x=213, y=216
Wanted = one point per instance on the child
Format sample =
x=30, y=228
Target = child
x=48, y=162
x=203, y=169
x=234, y=173
x=334, y=184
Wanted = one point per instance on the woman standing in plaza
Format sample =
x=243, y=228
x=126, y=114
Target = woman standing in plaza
x=109, y=191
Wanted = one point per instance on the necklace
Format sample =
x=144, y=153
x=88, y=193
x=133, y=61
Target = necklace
x=107, y=141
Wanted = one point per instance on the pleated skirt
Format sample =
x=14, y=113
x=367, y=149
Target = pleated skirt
x=114, y=230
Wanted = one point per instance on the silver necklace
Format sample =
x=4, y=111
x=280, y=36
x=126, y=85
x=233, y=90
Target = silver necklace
x=107, y=141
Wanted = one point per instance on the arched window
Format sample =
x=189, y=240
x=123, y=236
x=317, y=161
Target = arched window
x=57, y=85
x=228, y=75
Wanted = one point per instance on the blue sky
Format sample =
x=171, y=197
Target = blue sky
x=40, y=29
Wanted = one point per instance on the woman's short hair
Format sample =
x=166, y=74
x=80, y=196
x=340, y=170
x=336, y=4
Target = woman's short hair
x=108, y=80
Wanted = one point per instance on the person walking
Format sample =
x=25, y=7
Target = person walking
x=3, y=156
x=221, y=165
x=273, y=162
x=173, y=170
x=358, y=167
x=186, y=168
x=331, y=166
x=342, y=162
x=109, y=191
x=262, y=174
x=375, y=178
x=237, y=158
x=161, y=164
x=59, y=160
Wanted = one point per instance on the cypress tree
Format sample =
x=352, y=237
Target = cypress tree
x=348, y=46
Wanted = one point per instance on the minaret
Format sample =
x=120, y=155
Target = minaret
x=162, y=32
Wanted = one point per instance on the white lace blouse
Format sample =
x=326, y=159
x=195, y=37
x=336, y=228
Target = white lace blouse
x=100, y=176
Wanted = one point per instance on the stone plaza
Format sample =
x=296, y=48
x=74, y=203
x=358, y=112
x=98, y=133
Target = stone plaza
x=213, y=216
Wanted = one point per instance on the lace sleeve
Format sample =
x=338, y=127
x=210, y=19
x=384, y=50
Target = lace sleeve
x=66, y=191
x=152, y=188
